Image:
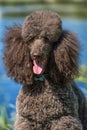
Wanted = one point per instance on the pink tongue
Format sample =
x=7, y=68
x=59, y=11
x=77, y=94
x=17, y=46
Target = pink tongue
x=38, y=67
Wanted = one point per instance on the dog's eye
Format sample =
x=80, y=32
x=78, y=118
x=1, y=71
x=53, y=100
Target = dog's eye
x=31, y=39
x=46, y=39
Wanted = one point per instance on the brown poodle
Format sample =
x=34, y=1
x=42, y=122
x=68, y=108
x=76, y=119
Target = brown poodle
x=44, y=58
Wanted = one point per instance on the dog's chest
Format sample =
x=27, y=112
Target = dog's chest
x=50, y=102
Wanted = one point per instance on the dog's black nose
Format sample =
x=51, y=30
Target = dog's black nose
x=36, y=55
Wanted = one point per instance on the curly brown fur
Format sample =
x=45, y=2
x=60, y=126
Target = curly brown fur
x=44, y=58
x=65, y=56
x=16, y=57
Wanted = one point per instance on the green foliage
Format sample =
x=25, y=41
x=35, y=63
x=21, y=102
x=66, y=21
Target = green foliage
x=83, y=74
x=5, y=122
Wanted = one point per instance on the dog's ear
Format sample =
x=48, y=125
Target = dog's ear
x=17, y=57
x=66, y=53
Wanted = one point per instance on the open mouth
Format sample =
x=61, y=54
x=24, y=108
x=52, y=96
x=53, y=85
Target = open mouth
x=38, y=67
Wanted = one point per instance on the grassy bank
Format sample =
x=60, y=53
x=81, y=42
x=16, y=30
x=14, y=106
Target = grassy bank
x=70, y=10
x=24, y=2
x=16, y=8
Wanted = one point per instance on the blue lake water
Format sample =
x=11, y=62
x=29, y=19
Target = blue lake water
x=8, y=88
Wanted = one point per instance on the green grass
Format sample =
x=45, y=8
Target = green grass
x=17, y=2
x=20, y=2
x=83, y=74
x=68, y=10
x=5, y=122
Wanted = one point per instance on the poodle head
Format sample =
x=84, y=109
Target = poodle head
x=42, y=25
x=40, y=46
x=39, y=31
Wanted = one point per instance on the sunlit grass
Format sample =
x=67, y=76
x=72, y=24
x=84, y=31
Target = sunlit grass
x=83, y=74
x=6, y=123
